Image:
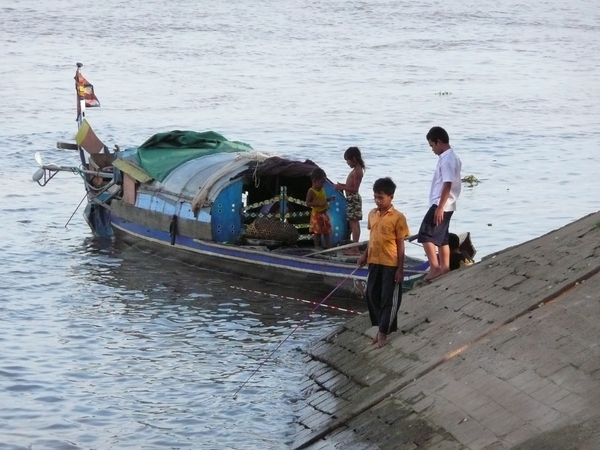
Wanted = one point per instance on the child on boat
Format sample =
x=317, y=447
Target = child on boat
x=354, y=159
x=458, y=257
x=385, y=256
x=320, y=223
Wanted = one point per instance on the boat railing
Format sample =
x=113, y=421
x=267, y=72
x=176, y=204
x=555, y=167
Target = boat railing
x=281, y=203
x=271, y=202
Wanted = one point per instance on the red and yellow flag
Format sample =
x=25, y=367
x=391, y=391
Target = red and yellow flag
x=85, y=91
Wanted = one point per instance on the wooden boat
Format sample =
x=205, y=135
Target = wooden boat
x=213, y=202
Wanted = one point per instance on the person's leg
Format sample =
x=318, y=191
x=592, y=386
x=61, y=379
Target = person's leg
x=444, y=252
x=391, y=297
x=317, y=239
x=435, y=270
x=355, y=230
x=445, y=258
x=355, y=236
x=435, y=237
x=326, y=228
x=314, y=228
x=373, y=294
x=426, y=236
x=317, y=227
x=354, y=214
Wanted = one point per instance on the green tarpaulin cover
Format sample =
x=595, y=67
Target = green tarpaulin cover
x=163, y=152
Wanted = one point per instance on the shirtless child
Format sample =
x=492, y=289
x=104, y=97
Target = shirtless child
x=350, y=187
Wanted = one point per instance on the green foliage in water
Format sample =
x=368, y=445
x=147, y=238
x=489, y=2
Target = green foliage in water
x=472, y=180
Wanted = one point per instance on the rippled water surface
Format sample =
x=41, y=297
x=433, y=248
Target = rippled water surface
x=106, y=347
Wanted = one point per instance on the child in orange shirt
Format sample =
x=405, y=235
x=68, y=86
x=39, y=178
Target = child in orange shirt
x=385, y=256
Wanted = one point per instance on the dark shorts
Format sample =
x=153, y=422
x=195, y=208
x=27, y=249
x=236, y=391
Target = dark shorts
x=429, y=232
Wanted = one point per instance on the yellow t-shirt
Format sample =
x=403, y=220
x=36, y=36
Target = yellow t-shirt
x=385, y=229
x=320, y=196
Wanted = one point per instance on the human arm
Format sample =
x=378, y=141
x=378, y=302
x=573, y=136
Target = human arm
x=352, y=182
x=439, y=212
x=363, y=258
x=399, y=276
x=450, y=171
x=402, y=231
x=310, y=198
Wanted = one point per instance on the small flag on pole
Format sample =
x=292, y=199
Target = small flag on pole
x=85, y=91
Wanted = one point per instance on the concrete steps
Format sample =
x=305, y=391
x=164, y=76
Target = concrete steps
x=494, y=356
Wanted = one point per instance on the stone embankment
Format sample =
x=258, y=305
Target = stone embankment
x=501, y=355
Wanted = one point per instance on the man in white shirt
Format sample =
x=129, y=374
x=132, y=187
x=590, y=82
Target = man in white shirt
x=445, y=189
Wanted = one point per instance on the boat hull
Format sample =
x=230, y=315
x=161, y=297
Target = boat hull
x=308, y=274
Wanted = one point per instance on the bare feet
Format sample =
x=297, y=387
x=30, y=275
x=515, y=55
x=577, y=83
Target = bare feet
x=381, y=339
x=434, y=272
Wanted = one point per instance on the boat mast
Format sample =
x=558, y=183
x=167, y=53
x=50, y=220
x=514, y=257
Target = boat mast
x=80, y=92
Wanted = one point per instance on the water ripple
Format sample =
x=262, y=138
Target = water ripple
x=106, y=347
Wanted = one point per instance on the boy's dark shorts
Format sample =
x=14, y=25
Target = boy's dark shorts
x=429, y=232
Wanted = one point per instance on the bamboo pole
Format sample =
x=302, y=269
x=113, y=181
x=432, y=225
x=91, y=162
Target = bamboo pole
x=339, y=247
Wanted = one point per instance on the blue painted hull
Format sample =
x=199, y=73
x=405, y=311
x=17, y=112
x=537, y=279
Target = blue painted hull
x=307, y=273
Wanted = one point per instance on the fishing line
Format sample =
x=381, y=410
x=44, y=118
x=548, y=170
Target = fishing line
x=285, y=297
x=292, y=332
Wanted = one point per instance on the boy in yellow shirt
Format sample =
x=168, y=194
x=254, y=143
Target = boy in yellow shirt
x=385, y=256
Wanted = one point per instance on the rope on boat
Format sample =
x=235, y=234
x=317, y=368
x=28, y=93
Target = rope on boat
x=292, y=332
x=84, y=177
x=84, y=197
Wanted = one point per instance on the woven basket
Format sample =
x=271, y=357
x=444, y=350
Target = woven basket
x=263, y=228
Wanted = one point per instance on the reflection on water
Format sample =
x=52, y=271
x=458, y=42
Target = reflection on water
x=120, y=266
x=148, y=349
x=103, y=347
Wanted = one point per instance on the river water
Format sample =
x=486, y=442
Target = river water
x=105, y=347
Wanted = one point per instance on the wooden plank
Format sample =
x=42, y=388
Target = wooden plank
x=339, y=247
x=135, y=172
x=353, y=244
x=67, y=146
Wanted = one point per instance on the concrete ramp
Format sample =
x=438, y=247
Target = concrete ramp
x=501, y=355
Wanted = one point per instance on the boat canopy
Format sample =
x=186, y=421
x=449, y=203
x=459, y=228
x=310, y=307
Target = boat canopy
x=197, y=178
x=164, y=152
x=206, y=171
x=203, y=178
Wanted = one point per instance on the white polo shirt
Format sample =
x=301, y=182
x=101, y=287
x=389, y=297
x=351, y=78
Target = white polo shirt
x=447, y=169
